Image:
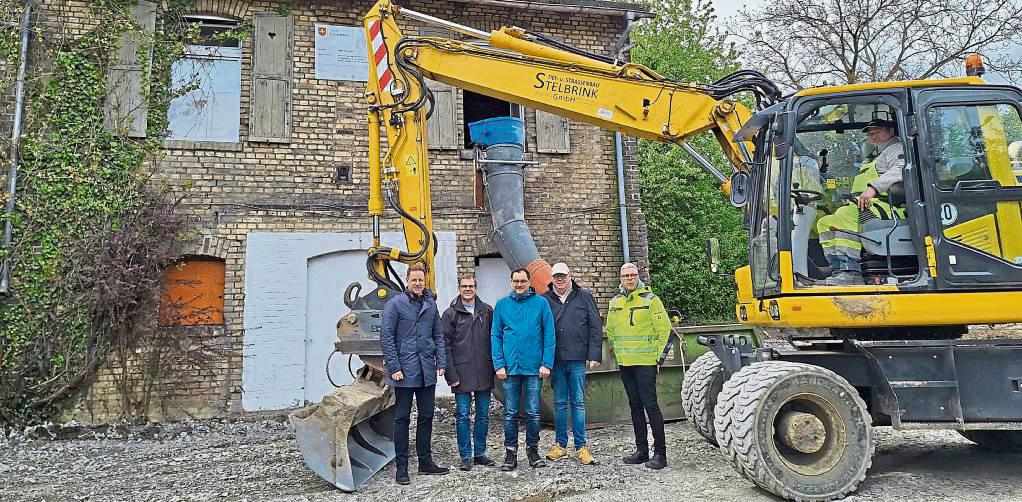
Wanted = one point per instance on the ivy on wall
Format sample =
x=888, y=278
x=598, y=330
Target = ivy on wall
x=92, y=230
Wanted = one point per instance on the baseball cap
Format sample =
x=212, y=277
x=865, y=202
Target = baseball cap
x=560, y=268
x=878, y=123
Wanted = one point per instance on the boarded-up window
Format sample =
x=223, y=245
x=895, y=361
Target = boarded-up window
x=193, y=293
x=272, y=49
x=551, y=133
x=127, y=104
x=442, y=126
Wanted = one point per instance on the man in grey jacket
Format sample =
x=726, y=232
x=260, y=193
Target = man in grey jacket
x=890, y=159
x=839, y=232
x=579, y=333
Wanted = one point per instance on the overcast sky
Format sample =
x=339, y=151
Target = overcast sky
x=728, y=8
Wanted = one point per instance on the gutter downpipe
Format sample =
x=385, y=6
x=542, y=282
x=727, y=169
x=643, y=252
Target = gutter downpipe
x=619, y=159
x=505, y=192
x=12, y=174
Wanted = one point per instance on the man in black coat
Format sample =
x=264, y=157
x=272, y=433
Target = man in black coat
x=466, y=325
x=579, y=345
x=413, y=349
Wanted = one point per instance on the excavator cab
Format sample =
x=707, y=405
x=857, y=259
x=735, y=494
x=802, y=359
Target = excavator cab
x=797, y=417
x=952, y=223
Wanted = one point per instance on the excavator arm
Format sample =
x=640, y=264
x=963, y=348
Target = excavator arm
x=531, y=70
x=348, y=436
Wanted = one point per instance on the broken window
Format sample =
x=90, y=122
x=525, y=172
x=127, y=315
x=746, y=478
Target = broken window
x=209, y=74
x=480, y=107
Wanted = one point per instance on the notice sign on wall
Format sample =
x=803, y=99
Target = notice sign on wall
x=341, y=53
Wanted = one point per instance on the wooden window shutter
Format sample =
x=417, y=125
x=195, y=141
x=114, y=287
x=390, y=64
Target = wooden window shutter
x=551, y=133
x=127, y=103
x=442, y=127
x=272, y=50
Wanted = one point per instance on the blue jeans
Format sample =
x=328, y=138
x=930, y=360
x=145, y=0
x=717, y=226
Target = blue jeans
x=482, y=426
x=569, y=381
x=513, y=387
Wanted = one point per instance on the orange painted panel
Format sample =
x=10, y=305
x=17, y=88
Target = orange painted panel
x=193, y=293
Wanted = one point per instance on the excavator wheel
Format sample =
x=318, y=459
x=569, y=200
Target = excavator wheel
x=1006, y=441
x=723, y=412
x=699, y=389
x=796, y=430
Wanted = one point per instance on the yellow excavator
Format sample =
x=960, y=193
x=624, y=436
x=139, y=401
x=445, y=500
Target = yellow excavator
x=795, y=417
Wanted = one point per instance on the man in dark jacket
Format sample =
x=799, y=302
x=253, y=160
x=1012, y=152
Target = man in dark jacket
x=466, y=325
x=579, y=344
x=523, y=352
x=413, y=349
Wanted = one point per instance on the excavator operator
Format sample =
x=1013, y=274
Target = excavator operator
x=839, y=231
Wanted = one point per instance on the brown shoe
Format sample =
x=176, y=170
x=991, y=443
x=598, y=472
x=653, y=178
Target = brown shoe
x=557, y=453
x=585, y=456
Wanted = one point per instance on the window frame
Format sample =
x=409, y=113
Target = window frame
x=192, y=52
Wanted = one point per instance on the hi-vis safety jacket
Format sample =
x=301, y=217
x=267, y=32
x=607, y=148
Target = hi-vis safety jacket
x=637, y=327
x=868, y=175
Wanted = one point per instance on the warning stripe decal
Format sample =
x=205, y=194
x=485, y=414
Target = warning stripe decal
x=383, y=73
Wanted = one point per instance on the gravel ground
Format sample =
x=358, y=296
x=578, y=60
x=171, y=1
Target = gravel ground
x=259, y=460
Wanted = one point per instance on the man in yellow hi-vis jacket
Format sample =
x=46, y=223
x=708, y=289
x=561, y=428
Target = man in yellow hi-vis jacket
x=638, y=329
x=838, y=231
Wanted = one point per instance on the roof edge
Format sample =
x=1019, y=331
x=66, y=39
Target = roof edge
x=602, y=7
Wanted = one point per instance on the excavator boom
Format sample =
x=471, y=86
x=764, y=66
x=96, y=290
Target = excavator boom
x=343, y=438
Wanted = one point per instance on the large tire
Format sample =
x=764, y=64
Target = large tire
x=749, y=416
x=1006, y=441
x=699, y=389
x=727, y=401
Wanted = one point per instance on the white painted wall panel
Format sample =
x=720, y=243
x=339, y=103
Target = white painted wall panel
x=494, y=278
x=281, y=348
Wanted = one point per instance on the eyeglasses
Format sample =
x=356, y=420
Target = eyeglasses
x=560, y=277
x=628, y=276
x=520, y=282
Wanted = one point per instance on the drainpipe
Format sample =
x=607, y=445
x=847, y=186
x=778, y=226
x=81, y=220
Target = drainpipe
x=619, y=159
x=622, y=209
x=505, y=191
x=12, y=175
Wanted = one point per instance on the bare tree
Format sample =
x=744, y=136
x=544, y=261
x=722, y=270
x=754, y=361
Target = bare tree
x=804, y=43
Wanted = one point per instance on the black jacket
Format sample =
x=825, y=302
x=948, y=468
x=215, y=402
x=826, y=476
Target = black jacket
x=578, y=326
x=467, y=339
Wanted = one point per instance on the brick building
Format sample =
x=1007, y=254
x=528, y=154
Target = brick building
x=278, y=164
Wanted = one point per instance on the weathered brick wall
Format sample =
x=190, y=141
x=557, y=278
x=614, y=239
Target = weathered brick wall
x=571, y=200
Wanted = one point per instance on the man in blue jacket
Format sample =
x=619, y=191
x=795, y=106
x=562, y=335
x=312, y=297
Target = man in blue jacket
x=523, y=344
x=413, y=349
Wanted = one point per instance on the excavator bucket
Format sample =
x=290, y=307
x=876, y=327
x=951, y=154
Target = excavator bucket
x=349, y=435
